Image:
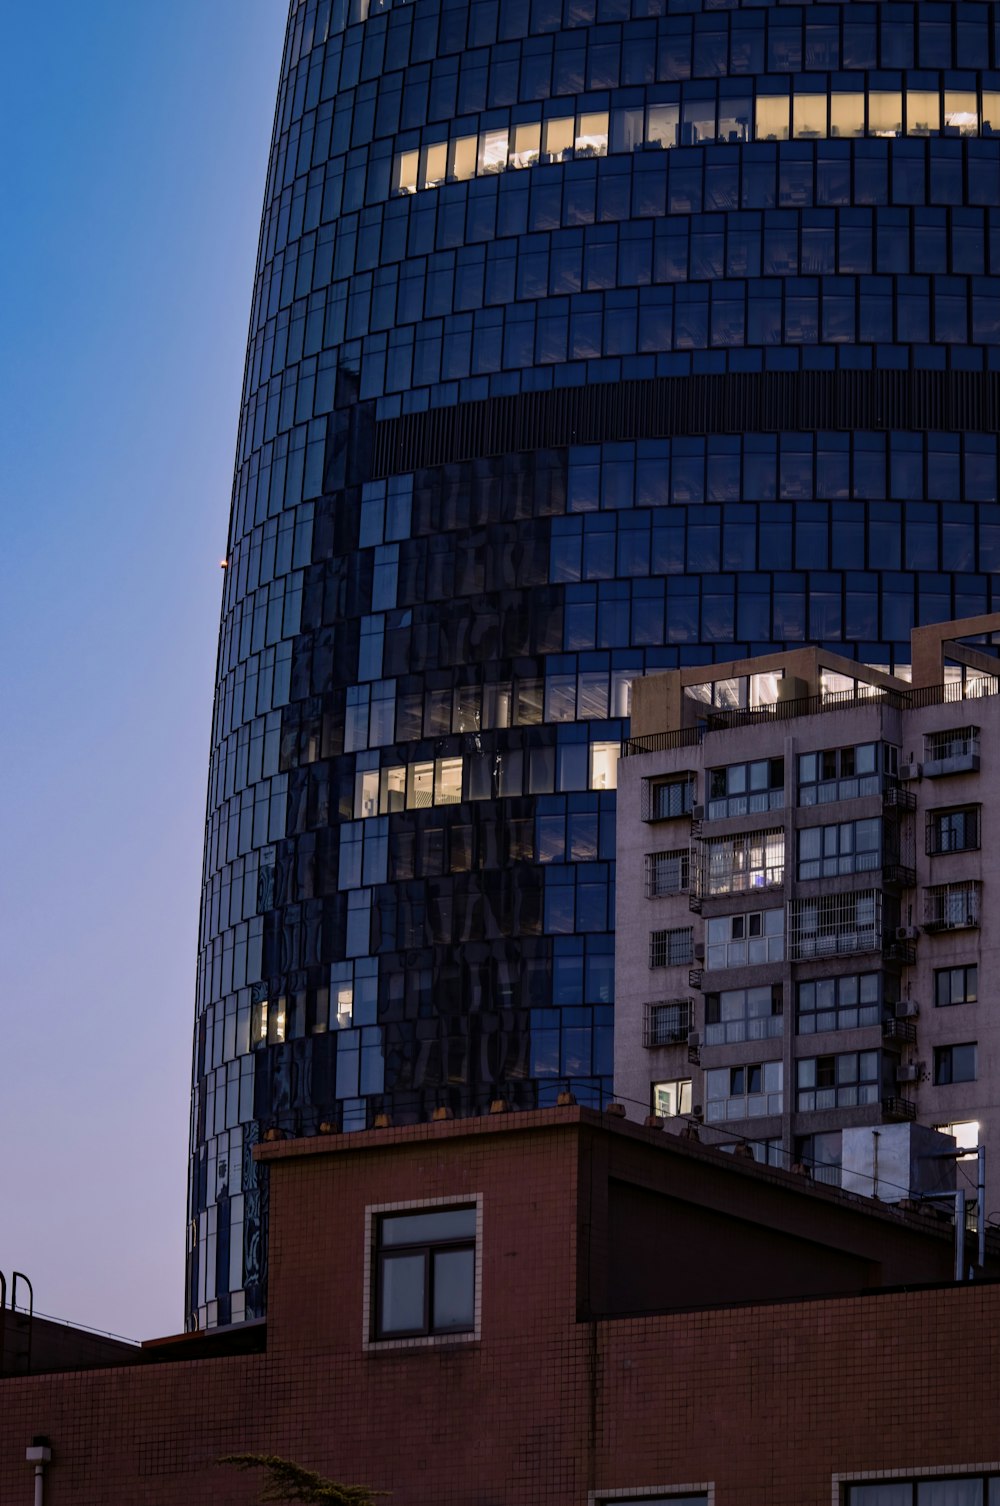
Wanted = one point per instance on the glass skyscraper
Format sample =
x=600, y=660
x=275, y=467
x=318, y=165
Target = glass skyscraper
x=588, y=338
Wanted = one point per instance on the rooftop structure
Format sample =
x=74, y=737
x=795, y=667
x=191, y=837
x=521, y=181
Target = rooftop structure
x=808, y=928
x=550, y=1306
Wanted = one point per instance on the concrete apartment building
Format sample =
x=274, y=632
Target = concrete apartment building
x=807, y=918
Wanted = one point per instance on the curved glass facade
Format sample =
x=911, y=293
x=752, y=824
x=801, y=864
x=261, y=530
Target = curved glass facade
x=588, y=338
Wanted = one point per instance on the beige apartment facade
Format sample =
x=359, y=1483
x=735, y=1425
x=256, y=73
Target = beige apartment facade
x=807, y=905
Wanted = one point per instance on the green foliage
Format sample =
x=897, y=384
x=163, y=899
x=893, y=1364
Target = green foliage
x=290, y=1482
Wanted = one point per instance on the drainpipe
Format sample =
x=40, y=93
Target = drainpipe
x=981, y=1202
x=39, y=1454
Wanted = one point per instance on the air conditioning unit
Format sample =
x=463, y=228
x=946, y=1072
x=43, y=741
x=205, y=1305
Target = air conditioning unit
x=699, y=951
x=909, y=1073
x=909, y=771
x=694, y=1039
x=907, y=933
x=906, y=1009
x=697, y=813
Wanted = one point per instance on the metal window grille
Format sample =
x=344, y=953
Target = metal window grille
x=953, y=742
x=667, y=872
x=664, y=799
x=667, y=1022
x=835, y=925
x=670, y=948
x=742, y=864
x=951, y=907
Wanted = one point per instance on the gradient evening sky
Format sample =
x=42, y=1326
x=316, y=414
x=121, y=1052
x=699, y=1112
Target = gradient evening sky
x=136, y=135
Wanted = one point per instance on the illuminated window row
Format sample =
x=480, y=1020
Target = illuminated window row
x=487, y=776
x=693, y=122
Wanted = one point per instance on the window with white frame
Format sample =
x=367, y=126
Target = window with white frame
x=745, y=940
x=846, y=847
x=741, y=789
x=743, y=1014
x=747, y=1092
x=668, y=1099
x=839, y=1082
x=743, y=863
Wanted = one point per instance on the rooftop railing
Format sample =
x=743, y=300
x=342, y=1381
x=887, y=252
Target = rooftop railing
x=717, y=719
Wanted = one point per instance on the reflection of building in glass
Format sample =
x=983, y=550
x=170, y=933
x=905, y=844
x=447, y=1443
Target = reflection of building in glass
x=630, y=387
x=828, y=980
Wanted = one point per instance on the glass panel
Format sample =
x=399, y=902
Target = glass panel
x=847, y=115
x=961, y=114
x=604, y=766
x=885, y=114
x=493, y=151
x=809, y=114
x=880, y=1495
x=662, y=125
x=454, y=1289
x=427, y=1225
x=401, y=1300
x=435, y=165
x=923, y=112
x=991, y=114
x=592, y=135
x=462, y=160
x=448, y=790
x=772, y=117
x=405, y=175
x=950, y=1493
x=557, y=139
x=527, y=144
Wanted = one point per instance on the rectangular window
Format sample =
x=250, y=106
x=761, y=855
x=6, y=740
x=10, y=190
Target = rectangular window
x=844, y=1003
x=844, y=773
x=743, y=1014
x=424, y=1272
x=955, y=830
x=955, y=1064
x=951, y=751
x=671, y=1098
x=946, y=1490
x=665, y=799
x=742, y=864
x=822, y=1154
x=836, y=925
x=671, y=948
x=745, y=940
x=742, y=789
x=956, y=985
x=848, y=847
x=838, y=1082
x=667, y=1023
x=951, y=907
x=748, y=1092
x=666, y=872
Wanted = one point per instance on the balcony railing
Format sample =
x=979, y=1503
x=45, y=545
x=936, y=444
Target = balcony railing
x=895, y=1110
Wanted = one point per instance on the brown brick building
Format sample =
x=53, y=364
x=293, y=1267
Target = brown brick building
x=620, y=1316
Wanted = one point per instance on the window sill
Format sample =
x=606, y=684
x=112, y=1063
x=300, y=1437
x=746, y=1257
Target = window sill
x=422, y=1341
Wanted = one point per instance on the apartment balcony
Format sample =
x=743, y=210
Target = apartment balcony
x=896, y=797
x=901, y=1032
x=953, y=752
x=897, y=1110
x=899, y=876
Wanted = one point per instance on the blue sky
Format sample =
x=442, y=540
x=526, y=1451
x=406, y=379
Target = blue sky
x=136, y=146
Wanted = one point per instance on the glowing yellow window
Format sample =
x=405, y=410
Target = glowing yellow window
x=885, y=114
x=592, y=135
x=604, y=766
x=991, y=114
x=961, y=112
x=847, y=115
x=344, y=1005
x=462, y=159
x=923, y=112
x=809, y=115
x=527, y=143
x=435, y=165
x=493, y=151
x=405, y=173
x=557, y=139
x=772, y=117
x=448, y=781
x=419, y=786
